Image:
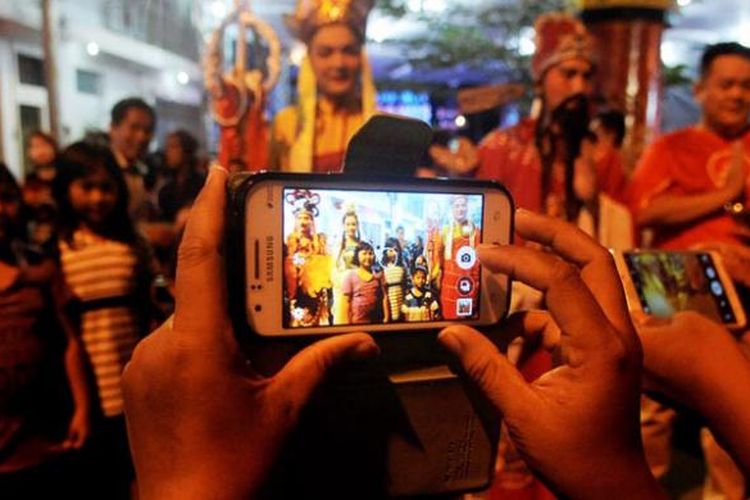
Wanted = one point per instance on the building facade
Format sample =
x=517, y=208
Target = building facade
x=104, y=50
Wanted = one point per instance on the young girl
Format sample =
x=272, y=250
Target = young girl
x=395, y=278
x=35, y=345
x=363, y=295
x=107, y=268
x=350, y=237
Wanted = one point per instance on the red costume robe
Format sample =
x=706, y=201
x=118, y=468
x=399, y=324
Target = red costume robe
x=467, y=235
x=510, y=156
x=691, y=161
x=249, y=139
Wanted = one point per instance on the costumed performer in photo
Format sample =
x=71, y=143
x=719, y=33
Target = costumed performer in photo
x=459, y=240
x=307, y=265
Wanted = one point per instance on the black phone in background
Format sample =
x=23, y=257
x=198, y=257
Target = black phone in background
x=400, y=143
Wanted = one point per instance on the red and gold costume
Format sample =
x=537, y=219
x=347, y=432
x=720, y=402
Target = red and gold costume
x=249, y=139
x=238, y=96
x=511, y=157
x=684, y=163
x=454, y=237
x=313, y=135
x=308, y=268
x=333, y=131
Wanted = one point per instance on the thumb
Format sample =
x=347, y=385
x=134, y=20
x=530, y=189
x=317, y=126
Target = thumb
x=308, y=368
x=500, y=381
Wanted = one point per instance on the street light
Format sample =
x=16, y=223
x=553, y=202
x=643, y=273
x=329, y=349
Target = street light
x=183, y=78
x=219, y=9
x=92, y=49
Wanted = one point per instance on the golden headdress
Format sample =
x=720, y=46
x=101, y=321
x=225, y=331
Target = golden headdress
x=310, y=15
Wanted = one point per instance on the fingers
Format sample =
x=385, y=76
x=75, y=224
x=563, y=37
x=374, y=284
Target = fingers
x=527, y=325
x=73, y=441
x=532, y=324
x=491, y=371
x=308, y=368
x=200, y=310
x=597, y=266
x=76, y=441
x=568, y=299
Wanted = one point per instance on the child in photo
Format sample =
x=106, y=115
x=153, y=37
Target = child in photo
x=420, y=303
x=363, y=290
x=394, y=274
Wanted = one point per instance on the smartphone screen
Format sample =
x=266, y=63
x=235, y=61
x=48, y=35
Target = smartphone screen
x=668, y=282
x=365, y=257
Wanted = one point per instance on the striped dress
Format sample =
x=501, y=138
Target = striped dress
x=394, y=282
x=101, y=274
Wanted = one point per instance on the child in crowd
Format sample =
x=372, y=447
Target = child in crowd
x=394, y=274
x=37, y=189
x=36, y=346
x=108, y=269
x=42, y=151
x=420, y=304
x=364, y=299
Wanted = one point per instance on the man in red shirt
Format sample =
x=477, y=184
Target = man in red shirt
x=691, y=186
x=691, y=189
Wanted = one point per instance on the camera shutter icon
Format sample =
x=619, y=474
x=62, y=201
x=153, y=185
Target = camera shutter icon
x=466, y=257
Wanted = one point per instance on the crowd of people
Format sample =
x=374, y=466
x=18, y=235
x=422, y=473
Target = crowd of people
x=87, y=257
x=87, y=246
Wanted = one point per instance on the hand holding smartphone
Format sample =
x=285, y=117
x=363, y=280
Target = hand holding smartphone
x=319, y=255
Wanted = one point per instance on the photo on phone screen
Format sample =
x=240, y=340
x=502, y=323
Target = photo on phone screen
x=668, y=282
x=360, y=257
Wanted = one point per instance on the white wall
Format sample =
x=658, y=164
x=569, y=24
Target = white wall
x=120, y=78
x=13, y=95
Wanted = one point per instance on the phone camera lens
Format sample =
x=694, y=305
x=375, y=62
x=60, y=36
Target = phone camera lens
x=258, y=308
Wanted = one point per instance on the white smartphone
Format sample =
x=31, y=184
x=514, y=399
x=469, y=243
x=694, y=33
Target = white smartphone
x=661, y=283
x=330, y=254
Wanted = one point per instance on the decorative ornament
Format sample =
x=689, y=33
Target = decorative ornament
x=304, y=200
x=238, y=95
x=310, y=15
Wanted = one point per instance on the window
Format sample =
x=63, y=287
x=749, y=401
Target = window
x=88, y=82
x=31, y=70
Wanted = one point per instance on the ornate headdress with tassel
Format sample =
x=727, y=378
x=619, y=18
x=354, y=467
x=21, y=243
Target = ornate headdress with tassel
x=559, y=37
x=303, y=201
x=309, y=17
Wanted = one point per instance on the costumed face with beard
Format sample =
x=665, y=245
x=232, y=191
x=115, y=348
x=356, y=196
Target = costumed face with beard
x=563, y=67
x=561, y=130
x=566, y=79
